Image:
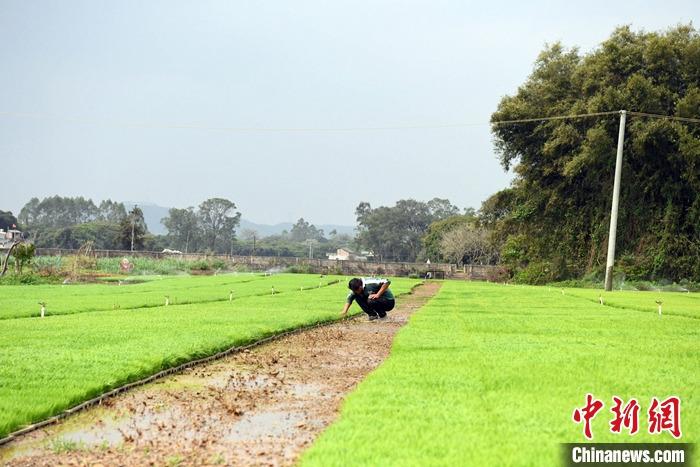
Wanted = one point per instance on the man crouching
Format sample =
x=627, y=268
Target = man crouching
x=373, y=296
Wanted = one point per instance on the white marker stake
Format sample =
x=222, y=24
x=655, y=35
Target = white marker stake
x=43, y=309
x=167, y=300
x=230, y=296
x=273, y=290
x=659, y=302
x=601, y=300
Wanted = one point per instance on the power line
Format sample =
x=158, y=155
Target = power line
x=666, y=117
x=337, y=129
x=557, y=117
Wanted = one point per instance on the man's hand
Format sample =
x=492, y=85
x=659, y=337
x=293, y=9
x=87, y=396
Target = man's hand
x=380, y=292
x=344, y=313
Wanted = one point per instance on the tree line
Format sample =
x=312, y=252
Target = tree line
x=410, y=230
x=67, y=222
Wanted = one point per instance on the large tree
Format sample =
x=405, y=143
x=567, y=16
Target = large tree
x=132, y=230
x=303, y=230
x=218, y=220
x=394, y=233
x=184, y=232
x=555, y=215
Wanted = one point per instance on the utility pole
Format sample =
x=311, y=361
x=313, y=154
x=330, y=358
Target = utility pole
x=615, y=203
x=310, y=242
x=133, y=225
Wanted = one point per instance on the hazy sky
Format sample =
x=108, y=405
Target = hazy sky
x=90, y=92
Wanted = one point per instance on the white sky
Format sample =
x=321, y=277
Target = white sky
x=83, y=69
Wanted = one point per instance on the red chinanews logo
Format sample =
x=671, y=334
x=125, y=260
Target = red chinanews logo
x=662, y=415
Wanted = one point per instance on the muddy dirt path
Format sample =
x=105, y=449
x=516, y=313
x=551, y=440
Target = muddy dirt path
x=259, y=407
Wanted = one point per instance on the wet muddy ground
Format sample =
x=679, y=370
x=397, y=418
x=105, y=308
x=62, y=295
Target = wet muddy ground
x=258, y=407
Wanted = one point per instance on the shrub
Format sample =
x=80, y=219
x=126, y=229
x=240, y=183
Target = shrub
x=536, y=273
x=23, y=254
x=300, y=269
x=200, y=265
x=498, y=274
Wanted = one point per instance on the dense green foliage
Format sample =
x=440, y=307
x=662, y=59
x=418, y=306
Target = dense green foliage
x=132, y=230
x=64, y=222
x=22, y=255
x=7, y=220
x=58, y=211
x=394, y=233
x=488, y=374
x=553, y=222
x=49, y=364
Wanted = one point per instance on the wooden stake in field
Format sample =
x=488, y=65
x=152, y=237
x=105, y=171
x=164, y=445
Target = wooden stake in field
x=659, y=302
x=43, y=308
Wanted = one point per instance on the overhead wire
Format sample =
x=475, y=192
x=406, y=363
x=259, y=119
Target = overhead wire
x=666, y=117
x=251, y=129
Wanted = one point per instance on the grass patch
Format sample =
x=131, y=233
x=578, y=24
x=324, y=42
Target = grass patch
x=60, y=446
x=672, y=303
x=489, y=375
x=23, y=301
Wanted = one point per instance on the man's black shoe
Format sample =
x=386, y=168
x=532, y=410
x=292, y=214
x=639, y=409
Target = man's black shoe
x=372, y=317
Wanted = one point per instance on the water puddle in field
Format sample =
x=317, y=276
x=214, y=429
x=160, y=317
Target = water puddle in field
x=153, y=422
x=275, y=424
x=109, y=434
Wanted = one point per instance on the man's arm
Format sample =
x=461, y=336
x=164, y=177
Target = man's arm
x=345, y=309
x=380, y=292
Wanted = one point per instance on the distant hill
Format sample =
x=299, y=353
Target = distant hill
x=154, y=213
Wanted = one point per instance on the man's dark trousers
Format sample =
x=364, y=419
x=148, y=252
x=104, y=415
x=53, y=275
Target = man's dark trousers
x=377, y=307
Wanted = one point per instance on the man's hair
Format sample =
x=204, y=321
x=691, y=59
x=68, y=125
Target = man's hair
x=355, y=284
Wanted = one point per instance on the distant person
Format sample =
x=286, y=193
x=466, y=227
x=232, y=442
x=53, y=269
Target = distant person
x=373, y=296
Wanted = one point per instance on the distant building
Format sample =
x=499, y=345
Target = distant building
x=7, y=238
x=346, y=254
